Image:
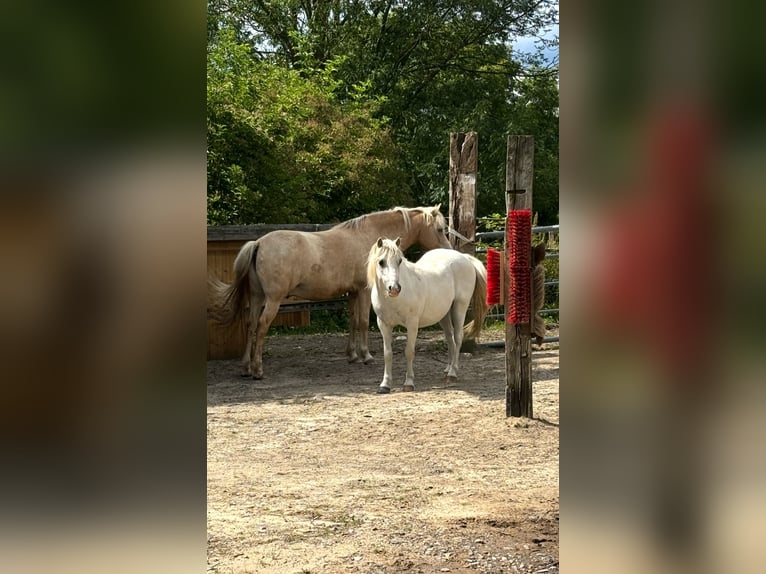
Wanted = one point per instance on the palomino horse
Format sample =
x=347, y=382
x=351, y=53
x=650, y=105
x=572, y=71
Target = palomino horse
x=315, y=265
x=439, y=287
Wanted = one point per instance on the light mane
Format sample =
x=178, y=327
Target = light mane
x=406, y=212
x=431, y=215
x=388, y=248
x=358, y=222
x=427, y=212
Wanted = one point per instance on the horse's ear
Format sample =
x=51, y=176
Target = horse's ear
x=380, y=242
x=436, y=208
x=398, y=241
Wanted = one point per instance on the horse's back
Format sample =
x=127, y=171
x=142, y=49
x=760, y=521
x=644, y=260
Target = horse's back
x=440, y=261
x=450, y=271
x=299, y=245
x=285, y=240
x=309, y=264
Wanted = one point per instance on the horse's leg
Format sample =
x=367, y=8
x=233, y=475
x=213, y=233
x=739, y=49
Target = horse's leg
x=449, y=337
x=409, y=353
x=458, y=312
x=388, y=356
x=363, y=303
x=251, y=325
x=353, y=322
x=250, y=334
x=270, y=311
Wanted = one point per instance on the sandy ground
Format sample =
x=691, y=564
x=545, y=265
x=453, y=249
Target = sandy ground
x=310, y=471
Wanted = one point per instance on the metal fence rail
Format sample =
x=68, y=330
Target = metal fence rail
x=483, y=235
x=500, y=344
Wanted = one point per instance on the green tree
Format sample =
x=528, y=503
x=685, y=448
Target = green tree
x=281, y=148
x=427, y=68
x=535, y=110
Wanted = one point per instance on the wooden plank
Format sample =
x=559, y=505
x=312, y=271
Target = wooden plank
x=225, y=342
x=244, y=233
x=519, y=176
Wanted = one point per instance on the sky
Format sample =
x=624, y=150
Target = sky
x=527, y=45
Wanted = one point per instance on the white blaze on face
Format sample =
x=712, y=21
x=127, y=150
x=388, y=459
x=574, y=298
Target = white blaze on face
x=388, y=268
x=389, y=272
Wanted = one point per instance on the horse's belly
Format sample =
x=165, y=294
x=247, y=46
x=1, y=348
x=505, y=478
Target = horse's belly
x=433, y=316
x=322, y=283
x=434, y=312
x=296, y=264
x=401, y=310
x=318, y=292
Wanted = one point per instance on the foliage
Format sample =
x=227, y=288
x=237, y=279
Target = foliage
x=322, y=321
x=535, y=110
x=282, y=149
x=349, y=104
x=551, y=265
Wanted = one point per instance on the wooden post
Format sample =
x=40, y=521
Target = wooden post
x=463, y=166
x=463, y=162
x=519, y=172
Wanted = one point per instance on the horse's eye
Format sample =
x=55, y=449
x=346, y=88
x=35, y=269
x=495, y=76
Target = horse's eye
x=399, y=262
x=382, y=262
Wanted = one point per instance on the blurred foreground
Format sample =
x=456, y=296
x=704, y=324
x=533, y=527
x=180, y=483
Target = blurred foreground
x=102, y=228
x=662, y=175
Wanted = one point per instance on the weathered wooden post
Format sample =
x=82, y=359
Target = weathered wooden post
x=463, y=162
x=519, y=171
x=463, y=167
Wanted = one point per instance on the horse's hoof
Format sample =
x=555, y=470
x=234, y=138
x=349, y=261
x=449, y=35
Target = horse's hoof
x=383, y=390
x=245, y=375
x=354, y=360
x=257, y=377
x=408, y=388
x=369, y=360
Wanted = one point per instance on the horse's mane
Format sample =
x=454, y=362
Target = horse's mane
x=406, y=212
x=388, y=246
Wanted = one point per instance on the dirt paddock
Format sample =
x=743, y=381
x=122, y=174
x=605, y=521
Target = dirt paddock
x=310, y=471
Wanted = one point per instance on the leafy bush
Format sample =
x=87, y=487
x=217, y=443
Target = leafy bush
x=282, y=148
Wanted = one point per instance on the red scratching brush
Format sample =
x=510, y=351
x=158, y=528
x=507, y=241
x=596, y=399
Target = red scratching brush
x=493, y=277
x=519, y=278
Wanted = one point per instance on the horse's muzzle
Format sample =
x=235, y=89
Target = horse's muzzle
x=394, y=290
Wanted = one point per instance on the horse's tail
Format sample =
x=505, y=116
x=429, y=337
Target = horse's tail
x=478, y=301
x=228, y=303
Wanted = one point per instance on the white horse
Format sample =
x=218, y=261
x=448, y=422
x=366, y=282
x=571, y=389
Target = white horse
x=438, y=288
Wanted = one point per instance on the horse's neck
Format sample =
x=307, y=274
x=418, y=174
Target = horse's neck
x=411, y=266
x=395, y=226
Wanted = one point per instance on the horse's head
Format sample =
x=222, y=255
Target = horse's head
x=383, y=265
x=432, y=231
